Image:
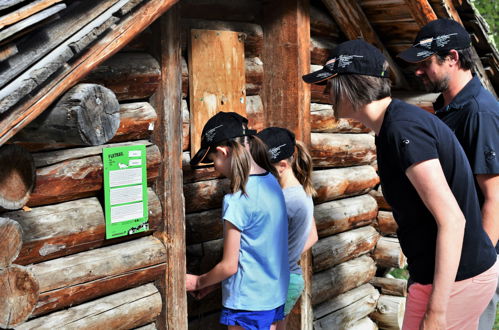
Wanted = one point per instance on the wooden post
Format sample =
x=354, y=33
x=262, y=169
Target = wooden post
x=286, y=98
x=168, y=136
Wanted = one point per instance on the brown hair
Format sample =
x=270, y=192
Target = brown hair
x=301, y=163
x=465, y=58
x=358, y=89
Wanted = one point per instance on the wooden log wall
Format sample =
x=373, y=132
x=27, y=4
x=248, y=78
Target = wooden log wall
x=61, y=252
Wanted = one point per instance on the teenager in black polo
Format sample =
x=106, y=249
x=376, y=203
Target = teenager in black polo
x=428, y=182
x=443, y=56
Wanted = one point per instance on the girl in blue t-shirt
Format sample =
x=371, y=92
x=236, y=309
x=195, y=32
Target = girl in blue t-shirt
x=254, y=268
x=294, y=166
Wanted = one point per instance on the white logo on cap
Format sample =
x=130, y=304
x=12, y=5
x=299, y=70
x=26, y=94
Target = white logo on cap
x=346, y=60
x=209, y=135
x=274, y=152
x=441, y=41
x=424, y=53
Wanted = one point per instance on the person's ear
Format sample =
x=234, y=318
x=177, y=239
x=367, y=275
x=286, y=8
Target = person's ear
x=453, y=56
x=281, y=166
x=223, y=150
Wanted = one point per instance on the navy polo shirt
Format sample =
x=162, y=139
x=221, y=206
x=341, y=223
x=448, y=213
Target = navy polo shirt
x=410, y=135
x=473, y=115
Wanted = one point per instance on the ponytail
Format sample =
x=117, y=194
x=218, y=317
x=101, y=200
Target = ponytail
x=260, y=155
x=240, y=166
x=301, y=163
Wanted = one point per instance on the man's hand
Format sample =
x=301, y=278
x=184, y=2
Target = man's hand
x=433, y=321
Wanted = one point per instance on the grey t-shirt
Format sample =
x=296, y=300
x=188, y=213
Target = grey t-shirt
x=300, y=208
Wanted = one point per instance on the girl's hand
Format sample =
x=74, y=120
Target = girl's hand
x=191, y=282
x=200, y=294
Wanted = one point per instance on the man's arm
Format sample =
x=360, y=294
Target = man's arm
x=489, y=185
x=428, y=179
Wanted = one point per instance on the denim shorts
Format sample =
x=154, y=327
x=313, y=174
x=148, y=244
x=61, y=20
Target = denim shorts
x=251, y=320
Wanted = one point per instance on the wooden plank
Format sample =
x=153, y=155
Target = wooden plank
x=8, y=51
x=12, y=240
x=286, y=98
x=216, y=78
x=354, y=23
x=103, y=49
x=421, y=11
x=31, y=20
x=26, y=11
x=39, y=43
x=168, y=136
x=9, y=3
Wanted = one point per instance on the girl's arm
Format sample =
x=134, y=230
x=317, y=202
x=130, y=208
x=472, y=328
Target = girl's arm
x=229, y=263
x=428, y=179
x=312, y=236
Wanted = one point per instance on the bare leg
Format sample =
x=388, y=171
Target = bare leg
x=235, y=327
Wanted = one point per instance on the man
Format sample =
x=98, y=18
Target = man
x=429, y=184
x=443, y=58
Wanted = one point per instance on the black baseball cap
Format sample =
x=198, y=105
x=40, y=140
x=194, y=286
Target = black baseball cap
x=350, y=57
x=221, y=127
x=280, y=143
x=438, y=36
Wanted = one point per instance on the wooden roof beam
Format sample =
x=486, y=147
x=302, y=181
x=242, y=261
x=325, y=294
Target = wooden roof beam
x=22, y=114
x=354, y=23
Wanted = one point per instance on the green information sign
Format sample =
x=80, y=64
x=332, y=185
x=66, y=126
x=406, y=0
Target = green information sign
x=125, y=190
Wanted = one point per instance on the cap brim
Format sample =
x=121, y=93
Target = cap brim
x=415, y=54
x=200, y=156
x=318, y=77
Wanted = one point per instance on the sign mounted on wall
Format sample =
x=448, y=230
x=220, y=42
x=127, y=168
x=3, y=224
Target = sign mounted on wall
x=125, y=190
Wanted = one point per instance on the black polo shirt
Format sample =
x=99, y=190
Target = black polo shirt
x=410, y=135
x=473, y=115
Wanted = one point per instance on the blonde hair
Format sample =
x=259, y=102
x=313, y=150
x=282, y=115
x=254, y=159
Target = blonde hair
x=241, y=160
x=301, y=163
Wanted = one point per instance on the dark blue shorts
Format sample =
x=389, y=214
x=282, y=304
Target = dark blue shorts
x=251, y=320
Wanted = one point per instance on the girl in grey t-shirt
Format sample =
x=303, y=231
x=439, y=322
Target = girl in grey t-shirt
x=294, y=166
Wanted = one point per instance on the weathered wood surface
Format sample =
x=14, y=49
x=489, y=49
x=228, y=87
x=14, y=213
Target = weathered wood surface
x=25, y=11
x=345, y=214
x=150, y=326
x=88, y=114
x=385, y=223
x=17, y=176
x=11, y=241
x=380, y=199
x=342, y=278
x=253, y=42
x=354, y=24
x=9, y=3
x=323, y=121
x=204, y=256
x=317, y=92
x=8, y=51
x=330, y=150
x=346, y=317
x=242, y=10
x=19, y=290
x=123, y=310
x=54, y=300
x=390, y=286
x=101, y=50
x=253, y=75
x=333, y=250
x=30, y=21
x=38, y=44
x=130, y=76
x=255, y=112
x=57, y=230
x=195, y=174
x=363, y=324
x=342, y=182
x=419, y=99
x=343, y=300
x=80, y=177
x=389, y=313
x=137, y=122
x=168, y=135
x=388, y=253
x=322, y=24
x=203, y=226
x=319, y=49
x=205, y=195
x=216, y=78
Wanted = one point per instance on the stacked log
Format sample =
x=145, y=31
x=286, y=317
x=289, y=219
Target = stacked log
x=388, y=253
x=389, y=313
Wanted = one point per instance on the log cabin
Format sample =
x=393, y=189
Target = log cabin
x=80, y=75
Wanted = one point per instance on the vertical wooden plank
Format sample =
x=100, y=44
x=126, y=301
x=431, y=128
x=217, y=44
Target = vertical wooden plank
x=216, y=76
x=286, y=57
x=168, y=137
x=286, y=98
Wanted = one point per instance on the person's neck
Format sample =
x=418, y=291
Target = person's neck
x=456, y=83
x=372, y=114
x=255, y=168
x=287, y=179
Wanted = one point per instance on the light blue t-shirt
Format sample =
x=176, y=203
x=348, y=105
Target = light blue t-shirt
x=300, y=208
x=262, y=277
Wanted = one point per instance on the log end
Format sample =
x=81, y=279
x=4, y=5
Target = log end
x=17, y=176
x=11, y=242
